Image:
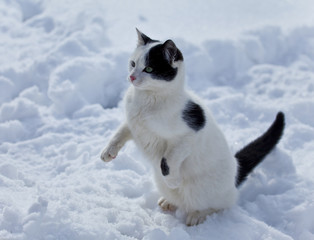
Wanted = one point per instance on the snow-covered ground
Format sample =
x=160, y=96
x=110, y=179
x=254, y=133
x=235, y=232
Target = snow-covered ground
x=63, y=68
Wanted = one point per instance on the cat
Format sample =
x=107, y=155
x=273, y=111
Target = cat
x=194, y=169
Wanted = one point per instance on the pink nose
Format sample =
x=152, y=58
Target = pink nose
x=132, y=78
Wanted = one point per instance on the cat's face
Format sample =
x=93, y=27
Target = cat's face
x=154, y=65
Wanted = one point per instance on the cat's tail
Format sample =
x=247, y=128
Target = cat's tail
x=252, y=154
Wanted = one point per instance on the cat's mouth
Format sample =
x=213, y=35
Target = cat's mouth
x=135, y=81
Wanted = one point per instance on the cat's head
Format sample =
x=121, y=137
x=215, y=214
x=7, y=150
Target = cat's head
x=155, y=65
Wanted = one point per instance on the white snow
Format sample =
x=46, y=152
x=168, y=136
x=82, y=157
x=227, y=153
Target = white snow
x=63, y=68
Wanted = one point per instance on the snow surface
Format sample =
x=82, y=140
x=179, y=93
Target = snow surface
x=63, y=68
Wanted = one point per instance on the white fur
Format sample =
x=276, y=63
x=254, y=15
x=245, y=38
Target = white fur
x=202, y=169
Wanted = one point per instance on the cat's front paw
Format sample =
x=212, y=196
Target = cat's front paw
x=171, y=177
x=109, y=153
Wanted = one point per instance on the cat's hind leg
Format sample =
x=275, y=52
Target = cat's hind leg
x=197, y=217
x=165, y=205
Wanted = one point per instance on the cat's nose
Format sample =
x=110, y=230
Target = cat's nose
x=132, y=78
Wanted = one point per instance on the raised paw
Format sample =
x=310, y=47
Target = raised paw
x=165, y=205
x=109, y=153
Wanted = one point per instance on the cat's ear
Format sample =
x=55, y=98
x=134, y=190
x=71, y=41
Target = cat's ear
x=171, y=52
x=143, y=39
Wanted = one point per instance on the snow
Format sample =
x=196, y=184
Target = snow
x=63, y=68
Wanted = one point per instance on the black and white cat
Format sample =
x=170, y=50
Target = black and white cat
x=193, y=167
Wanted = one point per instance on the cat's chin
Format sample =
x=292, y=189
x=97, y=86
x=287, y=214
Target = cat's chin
x=140, y=85
x=137, y=84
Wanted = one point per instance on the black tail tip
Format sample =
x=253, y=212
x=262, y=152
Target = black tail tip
x=280, y=117
x=280, y=121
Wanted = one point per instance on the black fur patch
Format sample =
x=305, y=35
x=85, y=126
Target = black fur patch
x=156, y=59
x=164, y=167
x=194, y=116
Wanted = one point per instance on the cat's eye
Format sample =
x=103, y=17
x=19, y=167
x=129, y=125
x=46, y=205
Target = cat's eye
x=148, y=69
x=132, y=64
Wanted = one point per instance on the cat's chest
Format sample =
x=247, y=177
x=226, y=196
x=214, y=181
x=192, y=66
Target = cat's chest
x=152, y=117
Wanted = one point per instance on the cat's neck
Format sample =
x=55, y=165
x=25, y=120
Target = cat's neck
x=158, y=96
x=153, y=99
